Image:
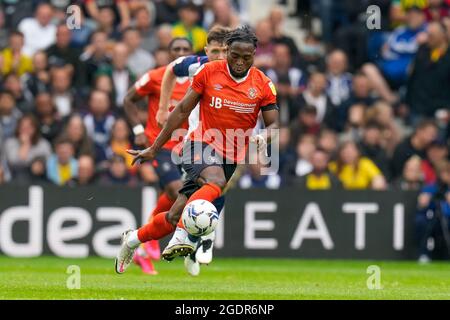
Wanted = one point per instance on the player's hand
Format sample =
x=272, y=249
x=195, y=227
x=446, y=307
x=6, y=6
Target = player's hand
x=141, y=140
x=161, y=117
x=142, y=155
x=260, y=142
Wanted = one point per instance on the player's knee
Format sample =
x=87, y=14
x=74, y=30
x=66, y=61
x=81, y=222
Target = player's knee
x=172, y=189
x=221, y=182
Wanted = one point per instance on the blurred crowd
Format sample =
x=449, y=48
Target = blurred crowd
x=359, y=108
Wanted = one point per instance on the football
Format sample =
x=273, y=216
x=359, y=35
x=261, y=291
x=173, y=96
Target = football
x=200, y=217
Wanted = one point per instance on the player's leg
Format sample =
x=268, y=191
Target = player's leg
x=204, y=251
x=170, y=181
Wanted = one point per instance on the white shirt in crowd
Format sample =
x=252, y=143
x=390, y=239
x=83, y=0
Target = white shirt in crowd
x=37, y=37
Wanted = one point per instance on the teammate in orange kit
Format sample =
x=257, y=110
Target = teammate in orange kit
x=149, y=85
x=231, y=95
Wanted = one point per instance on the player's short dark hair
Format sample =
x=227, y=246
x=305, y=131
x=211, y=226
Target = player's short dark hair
x=242, y=34
x=218, y=33
x=171, y=43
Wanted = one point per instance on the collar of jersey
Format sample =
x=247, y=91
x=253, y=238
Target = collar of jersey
x=238, y=80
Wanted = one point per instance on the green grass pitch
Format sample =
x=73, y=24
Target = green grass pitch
x=46, y=277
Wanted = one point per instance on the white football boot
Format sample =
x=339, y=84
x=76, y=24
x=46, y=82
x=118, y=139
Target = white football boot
x=179, y=245
x=204, y=252
x=128, y=245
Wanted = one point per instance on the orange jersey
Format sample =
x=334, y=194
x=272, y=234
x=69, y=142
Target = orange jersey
x=229, y=107
x=150, y=85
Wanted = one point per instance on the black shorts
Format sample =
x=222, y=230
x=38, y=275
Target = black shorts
x=166, y=169
x=193, y=164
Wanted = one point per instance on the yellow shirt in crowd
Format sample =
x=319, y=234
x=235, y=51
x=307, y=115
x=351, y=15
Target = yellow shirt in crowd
x=25, y=63
x=357, y=177
x=197, y=35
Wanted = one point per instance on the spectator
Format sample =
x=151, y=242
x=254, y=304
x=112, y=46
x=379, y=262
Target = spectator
x=25, y=146
x=397, y=54
x=436, y=153
x=354, y=127
x=139, y=60
x=320, y=178
x=338, y=79
x=38, y=80
x=355, y=171
x=277, y=18
x=371, y=147
x=289, y=81
x=264, y=56
x=187, y=26
x=103, y=82
x=95, y=55
x=9, y=114
x=254, y=178
x=416, y=144
x=361, y=94
x=61, y=53
x=14, y=60
x=392, y=130
x=47, y=115
x=96, y=9
x=149, y=41
x=63, y=94
x=311, y=55
x=120, y=141
x=315, y=95
x=39, y=31
x=121, y=75
x=86, y=173
x=99, y=122
x=164, y=35
x=38, y=173
x=13, y=84
x=328, y=141
x=221, y=13
x=162, y=58
x=433, y=212
x=76, y=132
x=167, y=11
x=118, y=173
x=106, y=23
x=62, y=166
x=305, y=148
x=306, y=122
x=412, y=177
x=437, y=10
x=431, y=66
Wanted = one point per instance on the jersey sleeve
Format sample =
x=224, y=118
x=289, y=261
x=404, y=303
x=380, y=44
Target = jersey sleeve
x=269, y=100
x=199, y=80
x=144, y=85
x=187, y=66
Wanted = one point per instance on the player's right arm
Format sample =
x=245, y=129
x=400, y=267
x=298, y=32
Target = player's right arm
x=176, y=118
x=131, y=110
x=167, y=85
x=181, y=67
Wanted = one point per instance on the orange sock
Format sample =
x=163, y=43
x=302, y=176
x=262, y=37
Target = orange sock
x=164, y=203
x=208, y=191
x=157, y=228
